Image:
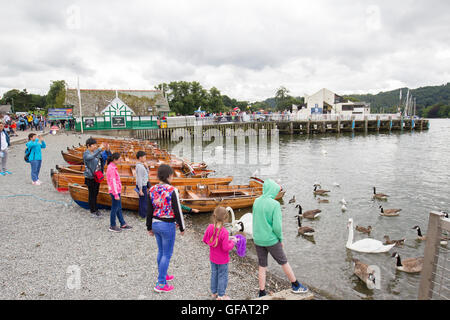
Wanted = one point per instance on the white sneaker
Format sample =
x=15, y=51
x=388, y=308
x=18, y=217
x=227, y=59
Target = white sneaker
x=33, y=183
x=38, y=183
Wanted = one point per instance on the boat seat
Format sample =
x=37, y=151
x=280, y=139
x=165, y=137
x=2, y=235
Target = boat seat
x=192, y=194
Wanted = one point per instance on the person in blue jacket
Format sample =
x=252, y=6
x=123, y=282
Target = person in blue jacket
x=34, y=146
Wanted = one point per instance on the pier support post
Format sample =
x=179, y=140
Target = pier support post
x=291, y=128
x=308, y=127
x=339, y=125
x=366, y=124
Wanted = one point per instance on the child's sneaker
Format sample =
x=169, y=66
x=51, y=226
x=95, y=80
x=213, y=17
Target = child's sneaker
x=125, y=227
x=224, y=298
x=115, y=229
x=169, y=277
x=163, y=288
x=299, y=289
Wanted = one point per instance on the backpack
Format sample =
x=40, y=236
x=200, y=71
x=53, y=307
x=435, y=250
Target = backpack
x=27, y=155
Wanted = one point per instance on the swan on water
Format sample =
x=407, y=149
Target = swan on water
x=366, y=245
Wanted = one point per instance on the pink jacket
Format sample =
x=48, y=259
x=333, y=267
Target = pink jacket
x=113, y=179
x=221, y=253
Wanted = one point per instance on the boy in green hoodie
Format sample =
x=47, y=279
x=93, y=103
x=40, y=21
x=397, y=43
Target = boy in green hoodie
x=268, y=236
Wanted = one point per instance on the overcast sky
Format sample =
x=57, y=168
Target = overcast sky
x=247, y=49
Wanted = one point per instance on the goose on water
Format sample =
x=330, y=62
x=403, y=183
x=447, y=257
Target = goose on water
x=444, y=240
x=293, y=199
x=389, y=212
x=305, y=231
x=380, y=196
x=363, y=229
x=366, y=245
x=310, y=214
x=320, y=192
x=411, y=265
x=323, y=200
x=364, y=273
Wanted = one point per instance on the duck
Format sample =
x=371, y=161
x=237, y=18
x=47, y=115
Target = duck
x=444, y=240
x=365, y=245
x=304, y=231
x=244, y=224
x=311, y=214
x=336, y=184
x=320, y=192
x=363, y=229
x=389, y=212
x=397, y=243
x=411, y=265
x=293, y=199
x=343, y=201
x=344, y=208
x=364, y=273
x=323, y=200
x=380, y=196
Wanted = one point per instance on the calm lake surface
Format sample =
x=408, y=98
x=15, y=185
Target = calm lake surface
x=412, y=167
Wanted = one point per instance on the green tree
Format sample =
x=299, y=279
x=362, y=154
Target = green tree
x=56, y=94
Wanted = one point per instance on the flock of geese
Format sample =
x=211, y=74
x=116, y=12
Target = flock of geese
x=368, y=245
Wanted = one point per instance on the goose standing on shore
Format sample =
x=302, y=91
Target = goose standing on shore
x=389, y=212
x=364, y=273
x=380, y=196
x=366, y=245
x=310, y=214
x=304, y=231
x=411, y=265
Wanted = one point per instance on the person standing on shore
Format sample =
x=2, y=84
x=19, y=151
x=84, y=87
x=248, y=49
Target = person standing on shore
x=115, y=189
x=220, y=245
x=164, y=211
x=142, y=183
x=34, y=145
x=268, y=236
x=4, y=144
x=92, y=162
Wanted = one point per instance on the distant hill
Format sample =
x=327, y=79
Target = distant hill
x=425, y=97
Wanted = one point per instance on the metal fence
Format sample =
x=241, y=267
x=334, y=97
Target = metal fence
x=435, y=275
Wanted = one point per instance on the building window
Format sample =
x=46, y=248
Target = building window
x=347, y=107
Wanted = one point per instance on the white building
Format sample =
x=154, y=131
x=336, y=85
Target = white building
x=327, y=102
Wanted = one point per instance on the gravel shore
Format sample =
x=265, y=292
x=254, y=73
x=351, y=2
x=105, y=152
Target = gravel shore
x=44, y=236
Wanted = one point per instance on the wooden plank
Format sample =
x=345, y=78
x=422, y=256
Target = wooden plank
x=430, y=257
x=193, y=195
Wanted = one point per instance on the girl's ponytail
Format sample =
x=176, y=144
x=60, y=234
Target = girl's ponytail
x=112, y=157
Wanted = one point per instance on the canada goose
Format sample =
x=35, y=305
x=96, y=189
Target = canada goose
x=389, y=212
x=323, y=200
x=366, y=245
x=444, y=240
x=411, y=265
x=293, y=199
x=304, y=231
x=363, y=229
x=397, y=243
x=445, y=214
x=380, y=196
x=320, y=192
x=311, y=214
x=364, y=272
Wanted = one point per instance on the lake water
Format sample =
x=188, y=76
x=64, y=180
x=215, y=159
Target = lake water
x=412, y=167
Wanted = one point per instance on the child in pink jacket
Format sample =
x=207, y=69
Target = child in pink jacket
x=114, y=189
x=220, y=245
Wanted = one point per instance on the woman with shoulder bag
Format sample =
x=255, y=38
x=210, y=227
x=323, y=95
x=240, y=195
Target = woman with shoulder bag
x=93, y=167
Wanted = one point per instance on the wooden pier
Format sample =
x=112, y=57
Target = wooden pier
x=303, y=127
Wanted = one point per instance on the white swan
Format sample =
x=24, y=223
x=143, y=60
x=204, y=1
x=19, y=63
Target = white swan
x=343, y=201
x=344, y=208
x=244, y=224
x=366, y=245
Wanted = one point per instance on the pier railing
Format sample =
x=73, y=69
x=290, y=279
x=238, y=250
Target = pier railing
x=435, y=275
x=191, y=121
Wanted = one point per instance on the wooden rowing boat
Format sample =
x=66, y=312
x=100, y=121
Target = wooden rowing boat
x=127, y=170
x=62, y=180
x=205, y=198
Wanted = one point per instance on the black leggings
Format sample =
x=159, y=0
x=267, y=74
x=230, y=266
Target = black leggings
x=93, y=188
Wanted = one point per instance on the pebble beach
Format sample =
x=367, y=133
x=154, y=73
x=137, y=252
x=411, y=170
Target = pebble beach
x=45, y=236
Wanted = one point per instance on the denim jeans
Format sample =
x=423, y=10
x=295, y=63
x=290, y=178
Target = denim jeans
x=219, y=278
x=35, y=168
x=143, y=201
x=165, y=238
x=116, y=211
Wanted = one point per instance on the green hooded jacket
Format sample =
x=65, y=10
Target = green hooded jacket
x=267, y=222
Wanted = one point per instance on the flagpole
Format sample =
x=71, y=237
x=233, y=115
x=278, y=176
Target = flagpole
x=79, y=101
